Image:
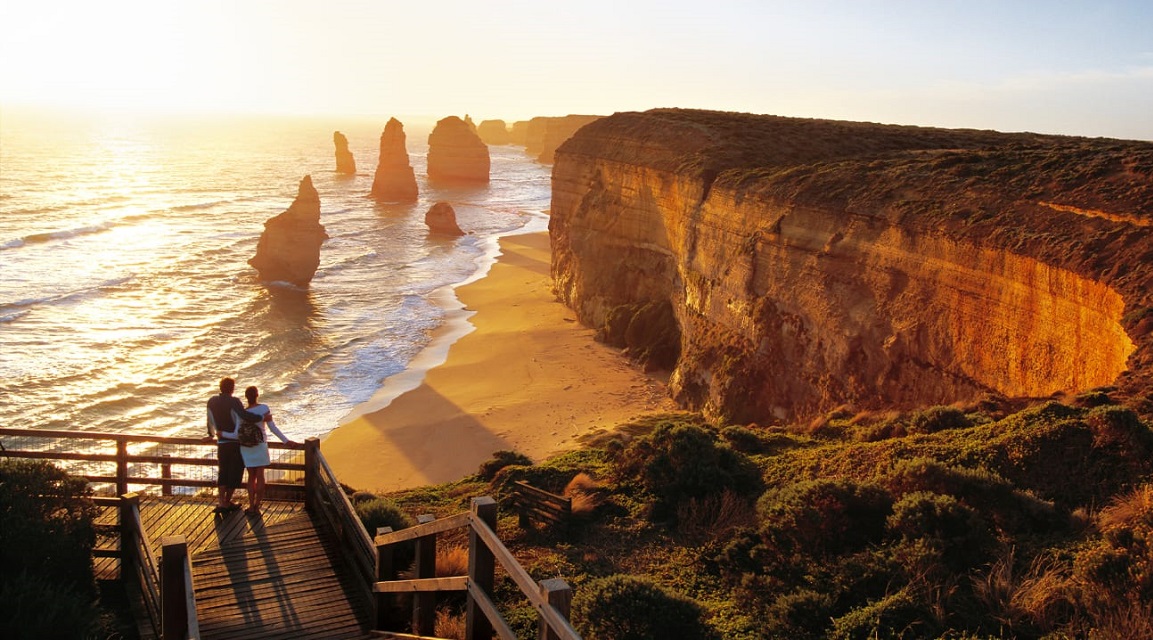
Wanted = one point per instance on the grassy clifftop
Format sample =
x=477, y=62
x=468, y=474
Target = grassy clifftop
x=988, y=521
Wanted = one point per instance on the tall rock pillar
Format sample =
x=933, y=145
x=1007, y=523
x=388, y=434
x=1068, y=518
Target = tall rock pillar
x=345, y=163
x=289, y=248
x=394, y=180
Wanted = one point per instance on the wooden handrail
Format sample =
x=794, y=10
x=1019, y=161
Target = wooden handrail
x=485, y=550
x=327, y=498
x=129, y=465
x=558, y=623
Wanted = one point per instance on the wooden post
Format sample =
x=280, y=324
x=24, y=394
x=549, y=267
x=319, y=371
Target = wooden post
x=311, y=473
x=558, y=594
x=128, y=503
x=385, y=571
x=424, y=603
x=166, y=473
x=173, y=605
x=481, y=570
x=121, y=466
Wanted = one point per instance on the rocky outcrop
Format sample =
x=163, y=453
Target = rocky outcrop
x=784, y=267
x=543, y=135
x=518, y=134
x=456, y=153
x=394, y=180
x=493, y=132
x=441, y=220
x=289, y=248
x=345, y=163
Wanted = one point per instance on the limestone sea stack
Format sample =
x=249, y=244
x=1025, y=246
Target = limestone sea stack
x=782, y=268
x=493, y=132
x=456, y=153
x=441, y=220
x=544, y=134
x=345, y=163
x=394, y=180
x=289, y=248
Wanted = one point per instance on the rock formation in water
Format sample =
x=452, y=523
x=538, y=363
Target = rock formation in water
x=542, y=135
x=456, y=153
x=394, y=180
x=289, y=248
x=518, y=133
x=493, y=132
x=784, y=267
x=345, y=163
x=441, y=220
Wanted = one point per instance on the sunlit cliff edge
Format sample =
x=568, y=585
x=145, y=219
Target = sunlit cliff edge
x=784, y=267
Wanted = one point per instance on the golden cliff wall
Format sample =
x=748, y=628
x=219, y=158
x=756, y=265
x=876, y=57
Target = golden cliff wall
x=810, y=264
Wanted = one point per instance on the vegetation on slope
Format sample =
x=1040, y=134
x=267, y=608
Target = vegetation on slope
x=989, y=521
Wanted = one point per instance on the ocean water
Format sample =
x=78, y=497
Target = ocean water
x=125, y=293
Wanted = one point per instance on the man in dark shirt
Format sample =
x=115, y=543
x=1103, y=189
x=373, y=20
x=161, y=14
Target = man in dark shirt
x=223, y=412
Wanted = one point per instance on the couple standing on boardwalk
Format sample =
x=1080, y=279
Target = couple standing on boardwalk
x=225, y=416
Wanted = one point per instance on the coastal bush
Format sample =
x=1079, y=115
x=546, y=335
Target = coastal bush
x=958, y=531
x=624, y=607
x=38, y=606
x=823, y=517
x=48, y=587
x=382, y=512
x=499, y=460
x=677, y=462
x=936, y=419
x=745, y=440
x=1009, y=508
x=895, y=616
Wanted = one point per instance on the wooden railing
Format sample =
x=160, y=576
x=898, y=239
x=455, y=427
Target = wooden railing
x=550, y=598
x=327, y=500
x=165, y=587
x=121, y=462
x=539, y=505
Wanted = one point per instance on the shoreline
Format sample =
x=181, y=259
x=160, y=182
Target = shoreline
x=510, y=369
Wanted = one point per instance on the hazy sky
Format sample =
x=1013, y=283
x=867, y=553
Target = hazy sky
x=1074, y=67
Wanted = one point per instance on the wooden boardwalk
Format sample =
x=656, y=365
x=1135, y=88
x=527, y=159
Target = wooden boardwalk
x=273, y=576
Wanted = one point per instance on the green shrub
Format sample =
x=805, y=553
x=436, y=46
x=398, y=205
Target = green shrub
x=48, y=589
x=958, y=531
x=623, y=607
x=38, y=606
x=499, y=460
x=824, y=517
x=936, y=419
x=382, y=512
x=47, y=523
x=803, y=613
x=743, y=439
x=1115, y=426
x=1009, y=508
x=895, y=616
x=678, y=462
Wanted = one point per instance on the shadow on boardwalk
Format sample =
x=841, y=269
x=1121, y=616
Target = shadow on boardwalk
x=277, y=575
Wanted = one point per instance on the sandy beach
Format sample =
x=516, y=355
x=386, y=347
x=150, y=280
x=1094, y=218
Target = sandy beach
x=528, y=378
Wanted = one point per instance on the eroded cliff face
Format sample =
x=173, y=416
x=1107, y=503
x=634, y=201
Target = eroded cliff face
x=810, y=264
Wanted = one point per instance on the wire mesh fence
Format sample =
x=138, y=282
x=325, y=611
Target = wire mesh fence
x=115, y=464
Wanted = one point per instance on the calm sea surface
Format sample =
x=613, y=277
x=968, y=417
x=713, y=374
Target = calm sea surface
x=125, y=293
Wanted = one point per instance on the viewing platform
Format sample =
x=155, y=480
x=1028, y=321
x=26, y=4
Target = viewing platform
x=303, y=568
